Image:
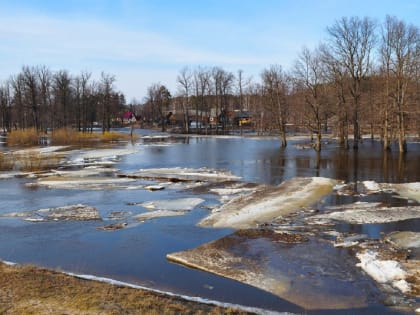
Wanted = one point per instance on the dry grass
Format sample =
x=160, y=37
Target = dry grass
x=71, y=137
x=6, y=162
x=25, y=137
x=28, y=290
x=64, y=136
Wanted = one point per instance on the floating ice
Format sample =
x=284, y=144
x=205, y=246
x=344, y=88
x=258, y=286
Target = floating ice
x=404, y=239
x=183, y=174
x=366, y=213
x=78, y=212
x=302, y=273
x=180, y=204
x=383, y=271
x=158, y=214
x=268, y=202
x=91, y=183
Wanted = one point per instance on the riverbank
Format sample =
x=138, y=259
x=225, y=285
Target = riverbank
x=33, y=290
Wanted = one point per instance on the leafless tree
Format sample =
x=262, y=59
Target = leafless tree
x=185, y=84
x=276, y=86
x=310, y=76
x=351, y=41
x=400, y=55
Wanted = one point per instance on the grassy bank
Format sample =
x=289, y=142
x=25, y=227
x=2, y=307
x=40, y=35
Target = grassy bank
x=31, y=290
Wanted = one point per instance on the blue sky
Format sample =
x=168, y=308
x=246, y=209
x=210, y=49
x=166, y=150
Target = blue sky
x=143, y=42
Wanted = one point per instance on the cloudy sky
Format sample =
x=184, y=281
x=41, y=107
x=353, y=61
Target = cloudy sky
x=142, y=42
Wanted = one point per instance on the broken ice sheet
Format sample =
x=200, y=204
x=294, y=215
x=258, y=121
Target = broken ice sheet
x=168, y=208
x=89, y=183
x=268, y=202
x=311, y=274
x=158, y=214
x=367, y=213
x=180, y=204
x=183, y=174
x=78, y=212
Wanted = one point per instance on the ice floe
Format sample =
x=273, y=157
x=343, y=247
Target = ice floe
x=404, y=239
x=99, y=156
x=159, y=214
x=406, y=190
x=183, y=174
x=267, y=260
x=269, y=202
x=367, y=213
x=87, y=183
x=78, y=212
x=180, y=204
x=383, y=271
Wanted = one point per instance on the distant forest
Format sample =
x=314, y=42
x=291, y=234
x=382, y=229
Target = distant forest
x=363, y=79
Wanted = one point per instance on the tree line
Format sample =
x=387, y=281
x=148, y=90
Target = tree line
x=363, y=79
x=38, y=98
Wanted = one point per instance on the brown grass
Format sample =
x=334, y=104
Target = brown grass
x=63, y=136
x=6, y=162
x=30, y=290
x=25, y=137
x=70, y=137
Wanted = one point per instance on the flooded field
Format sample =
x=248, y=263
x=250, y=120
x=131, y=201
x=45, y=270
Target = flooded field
x=119, y=212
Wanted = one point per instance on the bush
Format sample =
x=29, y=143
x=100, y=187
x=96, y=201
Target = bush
x=25, y=137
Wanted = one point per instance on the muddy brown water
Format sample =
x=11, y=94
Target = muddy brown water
x=137, y=253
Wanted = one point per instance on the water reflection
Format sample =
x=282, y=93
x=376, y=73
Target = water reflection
x=138, y=254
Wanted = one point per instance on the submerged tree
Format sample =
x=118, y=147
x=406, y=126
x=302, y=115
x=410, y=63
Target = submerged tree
x=310, y=78
x=351, y=41
x=401, y=57
x=275, y=87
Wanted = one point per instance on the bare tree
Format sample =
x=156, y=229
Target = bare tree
x=184, y=80
x=351, y=41
x=158, y=97
x=310, y=77
x=275, y=85
x=106, y=88
x=62, y=98
x=400, y=55
x=5, y=107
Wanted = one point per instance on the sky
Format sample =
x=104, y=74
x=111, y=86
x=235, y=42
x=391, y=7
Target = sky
x=142, y=42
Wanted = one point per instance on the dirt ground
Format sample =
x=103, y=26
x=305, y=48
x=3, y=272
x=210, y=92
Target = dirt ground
x=32, y=290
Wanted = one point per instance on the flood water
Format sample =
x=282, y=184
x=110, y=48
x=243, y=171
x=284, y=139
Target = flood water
x=137, y=253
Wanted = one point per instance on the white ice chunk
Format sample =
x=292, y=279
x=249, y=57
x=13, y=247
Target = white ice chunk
x=383, y=271
x=180, y=204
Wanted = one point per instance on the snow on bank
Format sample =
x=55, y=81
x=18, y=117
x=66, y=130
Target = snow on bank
x=268, y=202
x=40, y=150
x=383, y=271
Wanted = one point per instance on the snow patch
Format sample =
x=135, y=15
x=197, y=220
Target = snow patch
x=383, y=271
x=372, y=186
